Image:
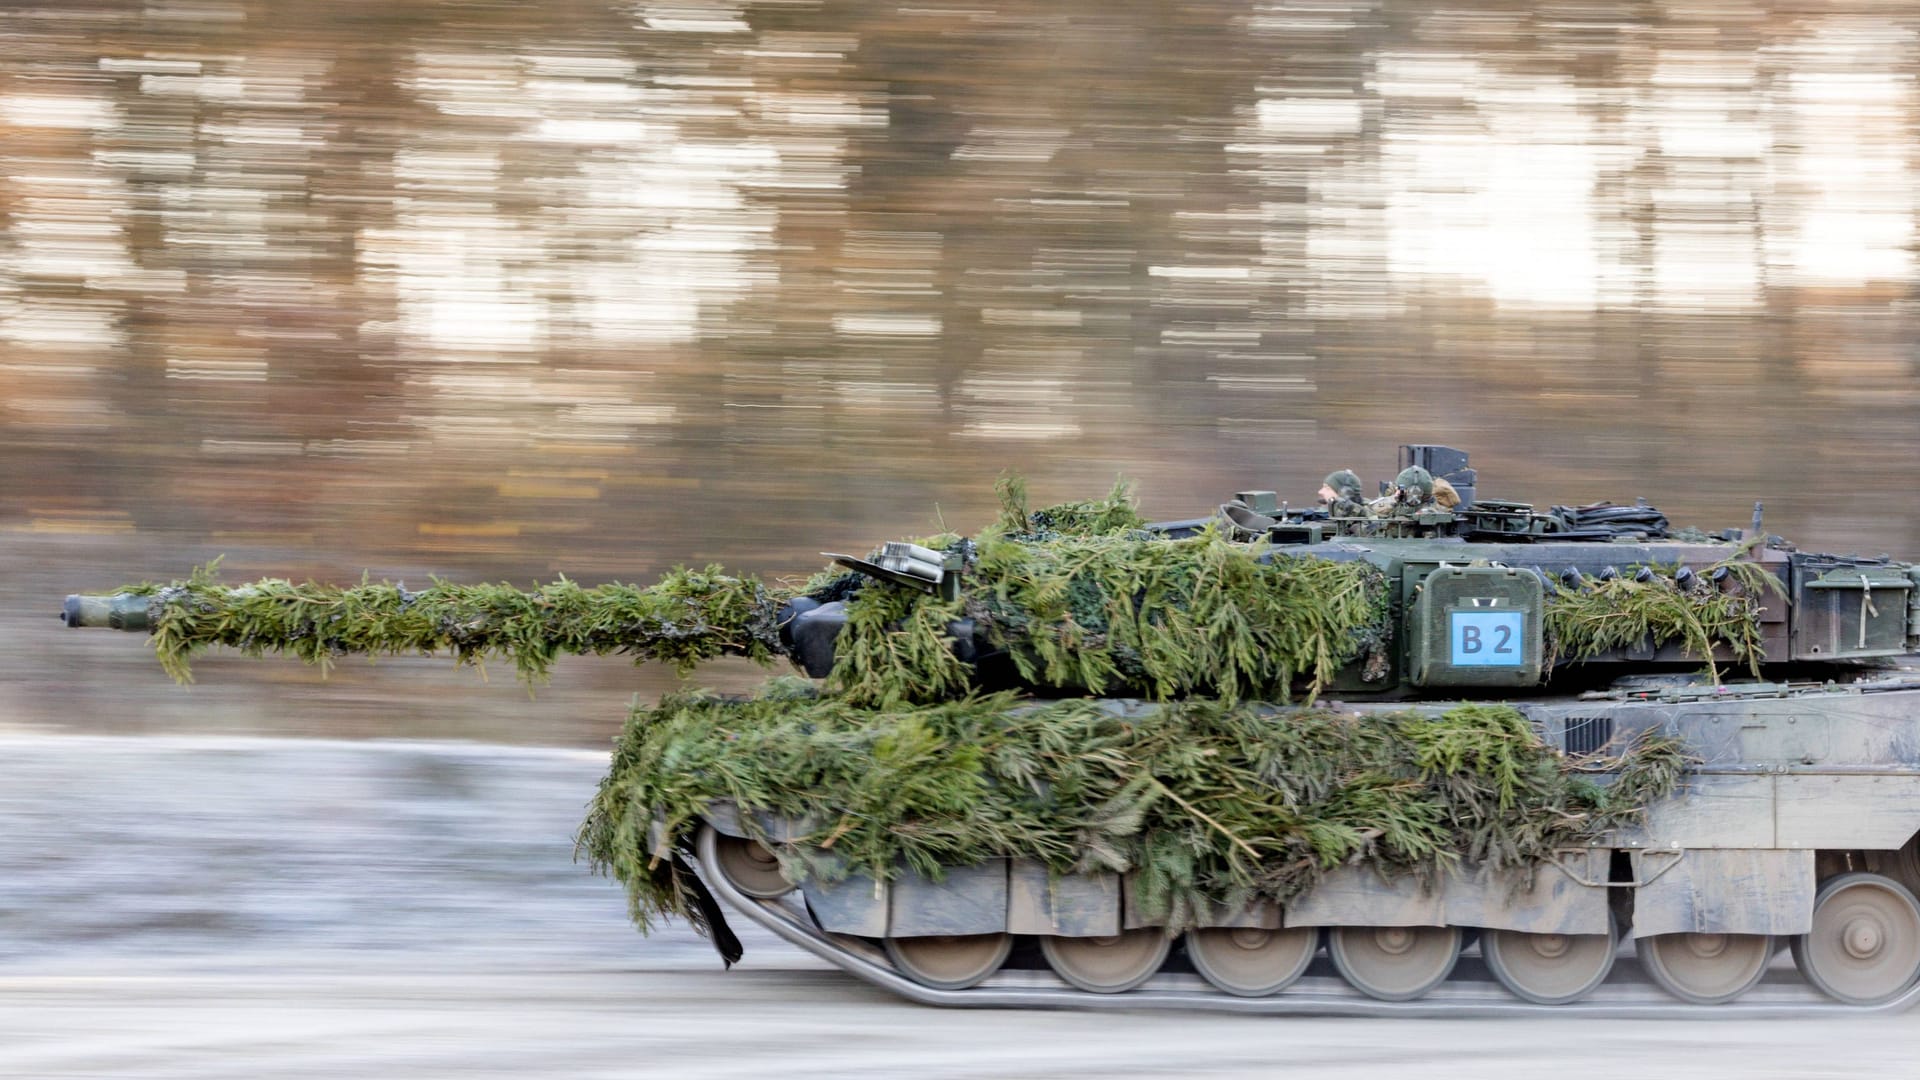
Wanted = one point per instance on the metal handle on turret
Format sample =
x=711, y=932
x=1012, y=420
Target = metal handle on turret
x=121, y=611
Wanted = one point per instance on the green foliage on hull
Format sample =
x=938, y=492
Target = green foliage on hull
x=1208, y=802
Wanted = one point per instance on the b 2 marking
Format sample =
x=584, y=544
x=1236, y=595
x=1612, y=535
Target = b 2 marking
x=1487, y=638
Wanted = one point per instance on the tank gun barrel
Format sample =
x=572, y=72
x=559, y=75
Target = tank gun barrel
x=119, y=611
x=685, y=618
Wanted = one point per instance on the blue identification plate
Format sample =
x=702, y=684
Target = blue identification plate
x=1487, y=638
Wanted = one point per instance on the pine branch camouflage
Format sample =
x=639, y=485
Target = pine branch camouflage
x=684, y=619
x=1206, y=802
x=1212, y=797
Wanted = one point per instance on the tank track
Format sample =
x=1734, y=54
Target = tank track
x=1470, y=992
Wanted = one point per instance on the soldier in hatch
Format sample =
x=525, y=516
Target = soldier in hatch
x=1412, y=495
x=1415, y=492
x=1340, y=494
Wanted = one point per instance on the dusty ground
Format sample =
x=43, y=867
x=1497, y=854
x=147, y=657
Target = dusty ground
x=216, y=907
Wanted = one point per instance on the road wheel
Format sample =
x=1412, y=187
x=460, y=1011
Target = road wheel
x=951, y=962
x=1549, y=969
x=750, y=867
x=1394, y=963
x=1864, y=948
x=1247, y=962
x=1108, y=965
x=1706, y=969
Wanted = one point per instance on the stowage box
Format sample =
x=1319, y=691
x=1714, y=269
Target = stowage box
x=1476, y=626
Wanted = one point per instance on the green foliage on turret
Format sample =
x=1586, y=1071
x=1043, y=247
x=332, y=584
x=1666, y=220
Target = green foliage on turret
x=1596, y=616
x=895, y=648
x=1081, y=599
x=1109, y=516
x=1085, y=601
x=1174, y=618
x=687, y=617
x=1205, y=801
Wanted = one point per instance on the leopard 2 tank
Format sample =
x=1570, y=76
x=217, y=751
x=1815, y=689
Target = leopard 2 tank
x=1284, y=761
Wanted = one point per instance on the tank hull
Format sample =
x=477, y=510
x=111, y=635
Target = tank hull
x=1791, y=788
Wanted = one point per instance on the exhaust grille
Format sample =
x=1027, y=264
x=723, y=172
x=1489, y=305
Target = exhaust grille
x=1586, y=734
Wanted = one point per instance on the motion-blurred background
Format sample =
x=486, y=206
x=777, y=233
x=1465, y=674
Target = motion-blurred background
x=494, y=290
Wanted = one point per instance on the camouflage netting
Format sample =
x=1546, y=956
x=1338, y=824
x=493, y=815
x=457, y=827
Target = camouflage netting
x=1207, y=802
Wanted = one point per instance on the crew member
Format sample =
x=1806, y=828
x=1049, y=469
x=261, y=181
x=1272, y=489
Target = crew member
x=1340, y=494
x=1412, y=495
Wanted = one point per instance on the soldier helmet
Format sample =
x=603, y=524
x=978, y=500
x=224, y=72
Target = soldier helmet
x=1345, y=483
x=1415, y=480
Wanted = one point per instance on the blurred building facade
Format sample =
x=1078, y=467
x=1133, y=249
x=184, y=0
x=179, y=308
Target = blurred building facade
x=499, y=289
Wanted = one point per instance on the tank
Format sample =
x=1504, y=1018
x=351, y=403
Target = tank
x=1435, y=755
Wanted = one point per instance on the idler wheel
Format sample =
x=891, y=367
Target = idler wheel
x=1108, y=965
x=1394, y=963
x=949, y=962
x=1249, y=962
x=750, y=867
x=1706, y=969
x=1549, y=969
x=1864, y=948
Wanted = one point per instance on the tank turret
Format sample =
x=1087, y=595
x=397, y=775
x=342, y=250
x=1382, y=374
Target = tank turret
x=1371, y=731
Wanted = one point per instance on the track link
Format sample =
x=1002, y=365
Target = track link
x=1626, y=994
